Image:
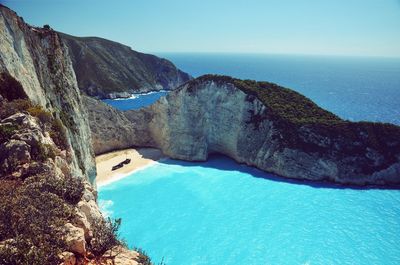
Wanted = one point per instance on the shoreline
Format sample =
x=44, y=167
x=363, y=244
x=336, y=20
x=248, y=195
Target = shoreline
x=135, y=95
x=141, y=158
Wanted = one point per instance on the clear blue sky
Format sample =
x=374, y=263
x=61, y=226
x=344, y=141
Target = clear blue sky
x=345, y=27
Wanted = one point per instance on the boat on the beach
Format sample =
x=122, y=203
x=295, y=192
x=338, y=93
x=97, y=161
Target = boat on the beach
x=120, y=165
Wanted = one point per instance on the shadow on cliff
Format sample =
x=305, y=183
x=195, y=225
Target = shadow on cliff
x=225, y=163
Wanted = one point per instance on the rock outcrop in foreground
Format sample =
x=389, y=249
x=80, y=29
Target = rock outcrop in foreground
x=107, y=69
x=48, y=215
x=260, y=124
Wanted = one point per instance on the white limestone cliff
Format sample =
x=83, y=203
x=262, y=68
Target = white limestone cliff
x=40, y=62
x=207, y=116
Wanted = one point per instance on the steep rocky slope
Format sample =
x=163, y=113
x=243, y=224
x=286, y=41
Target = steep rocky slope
x=108, y=136
x=38, y=60
x=108, y=69
x=266, y=126
x=48, y=209
x=48, y=215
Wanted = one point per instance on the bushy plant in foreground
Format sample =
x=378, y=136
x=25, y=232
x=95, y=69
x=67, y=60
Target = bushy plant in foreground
x=31, y=214
x=105, y=235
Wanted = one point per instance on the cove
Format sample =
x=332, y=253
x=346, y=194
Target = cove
x=221, y=212
x=136, y=101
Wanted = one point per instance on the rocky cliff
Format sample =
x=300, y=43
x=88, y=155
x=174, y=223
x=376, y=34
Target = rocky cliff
x=48, y=209
x=111, y=130
x=263, y=125
x=108, y=69
x=48, y=215
x=39, y=61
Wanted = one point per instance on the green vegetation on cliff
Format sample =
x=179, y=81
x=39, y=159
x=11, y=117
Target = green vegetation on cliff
x=103, y=66
x=302, y=124
x=31, y=214
x=282, y=103
x=34, y=203
x=36, y=200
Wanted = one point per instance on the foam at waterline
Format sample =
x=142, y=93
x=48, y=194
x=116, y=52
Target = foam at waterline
x=133, y=96
x=137, y=95
x=105, y=207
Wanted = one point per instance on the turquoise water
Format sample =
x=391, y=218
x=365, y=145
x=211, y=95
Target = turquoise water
x=220, y=212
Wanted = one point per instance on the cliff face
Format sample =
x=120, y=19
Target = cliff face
x=48, y=209
x=39, y=61
x=111, y=130
x=108, y=69
x=47, y=214
x=269, y=127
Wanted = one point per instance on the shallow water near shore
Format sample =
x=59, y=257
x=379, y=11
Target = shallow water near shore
x=220, y=212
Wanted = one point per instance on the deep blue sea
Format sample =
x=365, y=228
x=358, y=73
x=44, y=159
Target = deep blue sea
x=136, y=101
x=223, y=213
x=355, y=88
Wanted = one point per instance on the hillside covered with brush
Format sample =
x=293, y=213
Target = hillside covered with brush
x=107, y=69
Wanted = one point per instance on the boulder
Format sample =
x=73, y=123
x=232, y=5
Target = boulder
x=75, y=239
x=14, y=152
x=22, y=119
x=32, y=137
x=91, y=211
x=89, y=194
x=122, y=256
x=81, y=221
x=68, y=258
x=18, y=118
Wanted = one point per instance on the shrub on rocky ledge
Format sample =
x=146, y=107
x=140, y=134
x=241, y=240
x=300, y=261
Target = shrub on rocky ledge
x=105, y=235
x=51, y=124
x=44, y=116
x=58, y=134
x=69, y=188
x=143, y=257
x=6, y=131
x=8, y=108
x=31, y=213
x=40, y=152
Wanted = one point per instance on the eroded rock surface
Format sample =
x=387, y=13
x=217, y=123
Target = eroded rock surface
x=48, y=208
x=39, y=61
x=111, y=130
x=38, y=167
x=283, y=133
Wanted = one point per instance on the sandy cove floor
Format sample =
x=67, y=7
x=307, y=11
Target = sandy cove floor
x=140, y=158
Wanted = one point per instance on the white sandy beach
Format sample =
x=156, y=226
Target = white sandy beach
x=140, y=158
